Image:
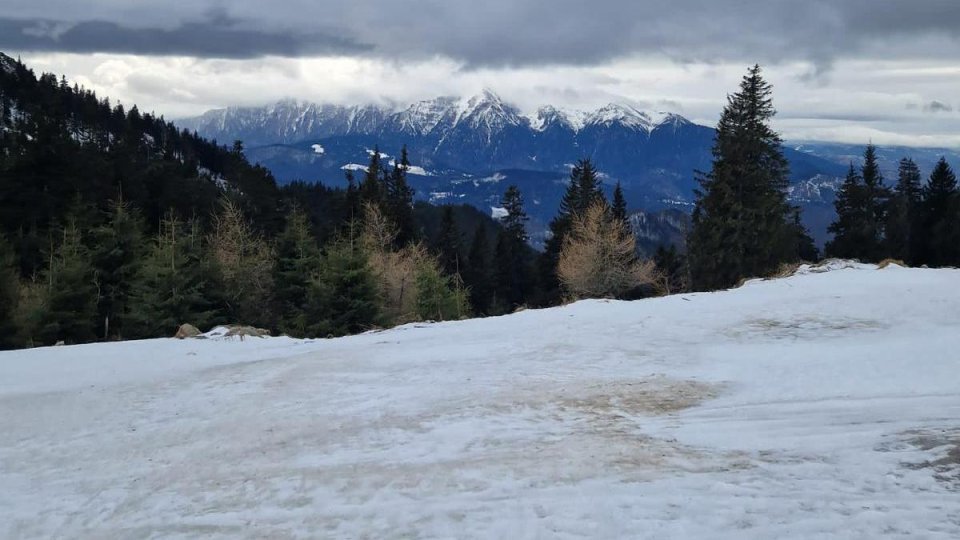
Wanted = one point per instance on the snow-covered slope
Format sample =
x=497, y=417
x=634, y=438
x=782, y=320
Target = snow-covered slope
x=824, y=405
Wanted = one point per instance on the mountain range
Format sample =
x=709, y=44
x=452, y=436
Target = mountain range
x=466, y=150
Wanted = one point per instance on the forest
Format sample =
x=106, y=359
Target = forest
x=114, y=224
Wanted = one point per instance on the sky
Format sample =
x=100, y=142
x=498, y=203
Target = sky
x=886, y=71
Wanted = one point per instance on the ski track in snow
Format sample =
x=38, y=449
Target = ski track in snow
x=809, y=407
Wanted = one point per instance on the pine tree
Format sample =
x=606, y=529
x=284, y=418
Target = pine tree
x=672, y=268
x=619, y=208
x=477, y=275
x=297, y=264
x=903, y=226
x=372, y=188
x=449, y=243
x=878, y=200
x=807, y=249
x=512, y=285
x=69, y=309
x=177, y=283
x=741, y=222
x=849, y=231
x=117, y=255
x=9, y=295
x=343, y=297
x=440, y=297
x=861, y=205
x=400, y=200
x=941, y=214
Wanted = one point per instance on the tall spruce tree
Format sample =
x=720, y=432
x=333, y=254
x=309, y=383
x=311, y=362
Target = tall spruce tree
x=372, y=187
x=297, y=264
x=343, y=297
x=742, y=224
x=477, y=274
x=449, y=243
x=178, y=283
x=118, y=247
x=69, y=309
x=512, y=274
x=861, y=206
x=903, y=226
x=9, y=295
x=400, y=200
x=941, y=215
x=619, y=207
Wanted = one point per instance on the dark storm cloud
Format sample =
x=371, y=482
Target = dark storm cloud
x=203, y=39
x=500, y=32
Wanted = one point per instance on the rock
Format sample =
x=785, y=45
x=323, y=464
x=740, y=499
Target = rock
x=187, y=330
x=242, y=331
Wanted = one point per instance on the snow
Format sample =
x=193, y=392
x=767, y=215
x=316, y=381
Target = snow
x=354, y=167
x=824, y=405
x=497, y=212
x=317, y=148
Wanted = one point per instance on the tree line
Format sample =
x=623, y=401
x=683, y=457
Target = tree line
x=915, y=222
x=117, y=225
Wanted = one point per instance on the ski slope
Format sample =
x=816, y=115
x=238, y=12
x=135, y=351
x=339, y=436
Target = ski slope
x=824, y=405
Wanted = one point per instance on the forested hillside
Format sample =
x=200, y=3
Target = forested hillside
x=116, y=224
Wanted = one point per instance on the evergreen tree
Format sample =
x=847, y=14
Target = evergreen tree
x=297, y=264
x=440, y=297
x=449, y=243
x=512, y=284
x=861, y=205
x=477, y=274
x=177, y=283
x=343, y=298
x=877, y=200
x=807, y=249
x=672, y=267
x=904, y=235
x=69, y=308
x=372, y=187
x=400, y=200
x=941, y=214
x=117, y=255
x=849, y=230
x=9, y=295
x=619, y=207
x=742, y=223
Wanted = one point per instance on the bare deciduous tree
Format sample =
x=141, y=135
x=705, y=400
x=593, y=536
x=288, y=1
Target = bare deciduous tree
x=598, y=257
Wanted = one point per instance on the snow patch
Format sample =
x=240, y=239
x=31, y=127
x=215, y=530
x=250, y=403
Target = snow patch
x=497, y=212
x=317, y=148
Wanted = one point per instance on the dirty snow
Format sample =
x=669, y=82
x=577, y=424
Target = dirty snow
x=824, y=405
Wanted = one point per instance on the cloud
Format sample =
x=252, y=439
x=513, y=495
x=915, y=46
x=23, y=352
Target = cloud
x=937, y=106
x=497, y=33
x=216, y=38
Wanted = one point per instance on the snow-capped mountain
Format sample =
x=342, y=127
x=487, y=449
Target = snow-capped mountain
x=291, y=121
x=454, y=141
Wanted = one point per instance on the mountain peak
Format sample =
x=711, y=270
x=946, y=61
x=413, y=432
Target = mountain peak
x=7, y=63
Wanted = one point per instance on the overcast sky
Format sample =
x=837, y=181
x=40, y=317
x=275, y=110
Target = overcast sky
x=846, y=70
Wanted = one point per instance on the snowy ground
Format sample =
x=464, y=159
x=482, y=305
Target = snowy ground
x=825, y=405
